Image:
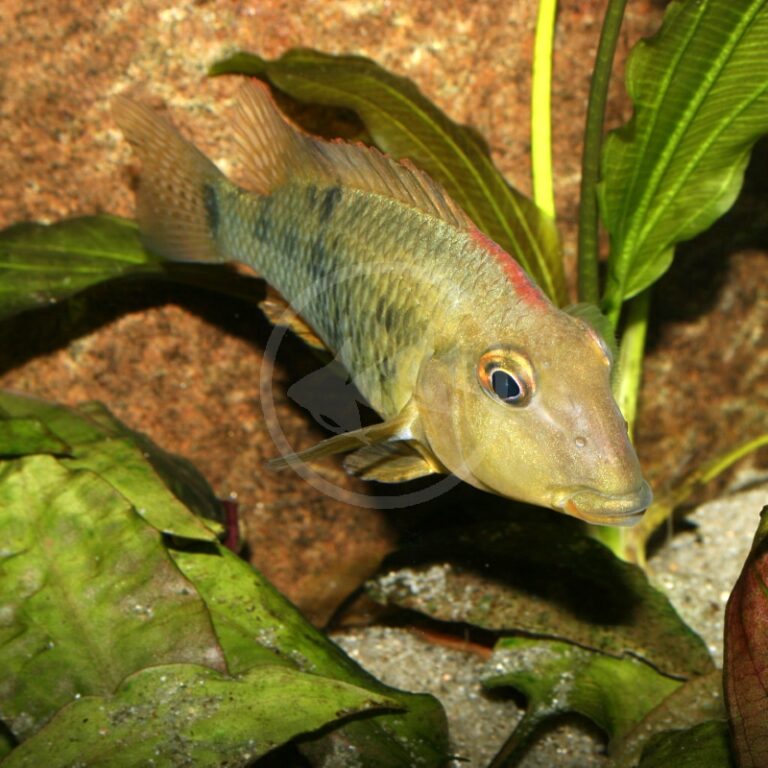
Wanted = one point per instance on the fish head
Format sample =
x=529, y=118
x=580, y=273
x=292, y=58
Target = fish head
x=529, y=414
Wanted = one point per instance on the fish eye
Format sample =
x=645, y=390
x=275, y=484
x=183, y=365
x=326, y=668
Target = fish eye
x=505, y=385
x=506, y=376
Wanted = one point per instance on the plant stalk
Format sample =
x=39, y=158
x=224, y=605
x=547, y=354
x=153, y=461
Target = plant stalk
x=667, y=503
x=626, y=387
x=541, y=109
x=589, y=288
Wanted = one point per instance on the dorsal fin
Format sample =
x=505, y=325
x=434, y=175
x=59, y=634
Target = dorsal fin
x=274, y=152
x=595, y=319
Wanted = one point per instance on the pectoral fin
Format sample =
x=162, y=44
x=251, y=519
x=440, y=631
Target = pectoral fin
x=391, y=463
x=279, y=312
x=395, y=429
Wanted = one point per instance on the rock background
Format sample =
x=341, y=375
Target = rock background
x=183, y=366
x=178, y=363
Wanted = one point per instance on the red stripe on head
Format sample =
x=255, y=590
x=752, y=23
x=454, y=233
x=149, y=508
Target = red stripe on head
x=523, y=286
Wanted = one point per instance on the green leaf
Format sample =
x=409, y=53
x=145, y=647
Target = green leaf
x=87, y=593
x=696, y=701
x=558, y=678
x=257, y=625
x=177, y=474
x=96, y=441
x=42, y=263
x=536, y=572
x=404, y=123
x=191, y=715
x=700, y=90
x=7, y=742
x=65, y=424
x=90, y=592
x=271, y=631
x=703, y=746
x=746, y=654
x=24, y=436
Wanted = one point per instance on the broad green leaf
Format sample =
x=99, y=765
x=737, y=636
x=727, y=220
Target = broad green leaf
x=24, y=436
x=88, y=593
x=558, y=678
x=702, y=746
x=130, y=462
x=538, y=573
x=179, y=475
x=257, y=625
x=40, y=263
x=190, y=715
x=746, y=654
x=700, y=91
x=405, y=124
x=271, y=631
x=696, y=701
x=7, y=742
x=62, y=422
x=123, y=464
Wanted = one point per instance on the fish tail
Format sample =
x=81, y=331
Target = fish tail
x=178, y=205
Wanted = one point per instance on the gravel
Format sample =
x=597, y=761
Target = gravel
x=696, y=568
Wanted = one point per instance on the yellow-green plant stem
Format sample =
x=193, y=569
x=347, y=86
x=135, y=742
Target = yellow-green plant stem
x=662, y=509
x=589, y=289
x=629, y=375
x=541, y=111
x=626, y=389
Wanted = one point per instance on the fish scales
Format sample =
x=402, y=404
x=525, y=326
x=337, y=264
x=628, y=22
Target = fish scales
x=472, y=369
x=378, y=295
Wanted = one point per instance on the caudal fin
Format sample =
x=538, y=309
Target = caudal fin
x=179, y=199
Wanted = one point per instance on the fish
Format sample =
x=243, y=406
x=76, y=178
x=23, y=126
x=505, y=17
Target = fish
x=472, y=369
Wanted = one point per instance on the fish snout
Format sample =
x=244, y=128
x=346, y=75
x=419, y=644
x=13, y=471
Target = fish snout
x=600, y=508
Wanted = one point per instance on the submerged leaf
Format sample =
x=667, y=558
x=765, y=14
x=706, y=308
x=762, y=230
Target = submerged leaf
x=257, y=625
x=42, y=263
x=22, y=437
x=191, y=715
x=96, y=441
x=696, y=701
x=558, y=678
x=702, y=746
x=7, y=742
x=6, y=746
x=746, y=654
x=537, y=573
x=88, y=594
x=700, y=90
x=405, y=124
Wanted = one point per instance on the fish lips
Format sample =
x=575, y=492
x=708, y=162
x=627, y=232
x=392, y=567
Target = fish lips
x=600, y=508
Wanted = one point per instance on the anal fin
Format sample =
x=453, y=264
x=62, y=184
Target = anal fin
x=388, y=432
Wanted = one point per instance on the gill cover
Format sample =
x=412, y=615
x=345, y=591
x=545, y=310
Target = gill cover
x=535, y=421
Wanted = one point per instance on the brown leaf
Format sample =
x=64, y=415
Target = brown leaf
x=746, y=655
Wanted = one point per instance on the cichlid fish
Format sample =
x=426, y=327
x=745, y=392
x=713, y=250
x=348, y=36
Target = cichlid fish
x=471, y=367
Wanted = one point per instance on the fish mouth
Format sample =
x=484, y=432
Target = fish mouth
x=599, y=508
